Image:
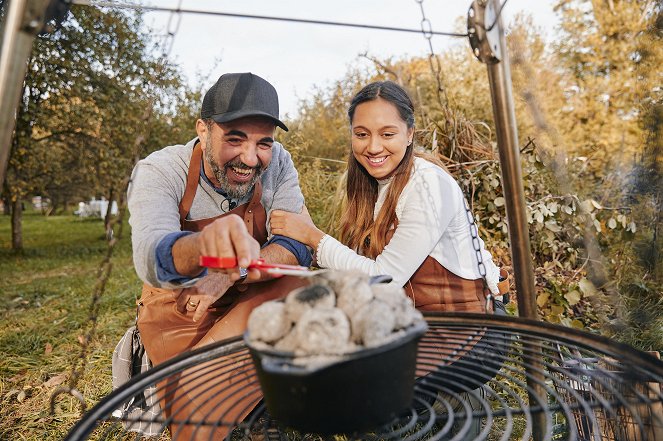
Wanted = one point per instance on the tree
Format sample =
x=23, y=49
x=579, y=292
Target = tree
x=607, y=79
x=85, y=95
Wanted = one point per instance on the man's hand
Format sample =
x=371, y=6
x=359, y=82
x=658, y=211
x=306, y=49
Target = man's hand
x=225, y=237
x=208, y=290
x=228, y=237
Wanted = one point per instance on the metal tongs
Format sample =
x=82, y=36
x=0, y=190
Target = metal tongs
x=276, y=269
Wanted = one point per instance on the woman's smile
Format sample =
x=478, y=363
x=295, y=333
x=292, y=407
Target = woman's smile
x=376, y=161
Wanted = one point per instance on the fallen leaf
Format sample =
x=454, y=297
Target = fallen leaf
x=577, y=324
x=556, y=309
x=81, y=339
x=56, y=380
x=587, y=287
x=21, y=396
x=573, y=297
x=48, y=349
x=542, y=299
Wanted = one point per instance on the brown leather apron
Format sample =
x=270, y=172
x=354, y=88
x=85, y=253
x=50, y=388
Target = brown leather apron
x=435, y=288
x=460, y=359
x=432, y=287
x=168, y=329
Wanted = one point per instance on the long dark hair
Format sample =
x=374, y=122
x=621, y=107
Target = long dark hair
x=358, y=229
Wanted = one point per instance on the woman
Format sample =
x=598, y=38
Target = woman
x=406, y=215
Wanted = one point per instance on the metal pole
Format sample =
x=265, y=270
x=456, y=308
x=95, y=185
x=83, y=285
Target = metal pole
x=492, y=50
x=23, y=20
x=499, y=76
x=489, y=45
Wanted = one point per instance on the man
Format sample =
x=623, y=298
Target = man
x=212, y=197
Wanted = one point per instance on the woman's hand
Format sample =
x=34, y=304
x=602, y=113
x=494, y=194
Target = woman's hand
x=296, y=226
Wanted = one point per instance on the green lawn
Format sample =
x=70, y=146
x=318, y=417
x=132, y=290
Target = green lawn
x=45, y=302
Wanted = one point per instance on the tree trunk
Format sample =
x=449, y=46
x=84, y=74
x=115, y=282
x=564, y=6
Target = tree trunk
x=17, y=225
x=107, y=218
x=51, y=207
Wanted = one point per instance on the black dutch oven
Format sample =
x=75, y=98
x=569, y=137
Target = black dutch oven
x=361, y=391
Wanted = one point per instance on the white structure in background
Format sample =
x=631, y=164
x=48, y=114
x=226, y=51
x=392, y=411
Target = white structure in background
x=38, y=202
x=95, y=207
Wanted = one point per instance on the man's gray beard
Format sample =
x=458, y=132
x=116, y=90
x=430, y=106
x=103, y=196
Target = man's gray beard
x=233, y=191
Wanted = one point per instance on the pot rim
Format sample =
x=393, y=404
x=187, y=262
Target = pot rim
x=416, y=329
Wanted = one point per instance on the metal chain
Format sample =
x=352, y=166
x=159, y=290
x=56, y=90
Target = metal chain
x=431, y=202
x=436, y=69
x=169, y=37
x=105, y=268
x=474, y=232
x=433, y=60
x=476, y=244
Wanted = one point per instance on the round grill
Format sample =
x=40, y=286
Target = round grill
x=550, y=383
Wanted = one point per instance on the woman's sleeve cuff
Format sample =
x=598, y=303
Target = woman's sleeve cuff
x=318, y=251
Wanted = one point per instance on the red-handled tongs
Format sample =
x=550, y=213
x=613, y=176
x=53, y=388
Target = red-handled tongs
x=260, y=264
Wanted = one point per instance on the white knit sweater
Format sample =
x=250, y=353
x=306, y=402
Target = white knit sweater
x=432, y=221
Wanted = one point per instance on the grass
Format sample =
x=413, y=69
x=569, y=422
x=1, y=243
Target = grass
x=45, y=299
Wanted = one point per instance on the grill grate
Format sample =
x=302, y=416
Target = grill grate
x=589, y=388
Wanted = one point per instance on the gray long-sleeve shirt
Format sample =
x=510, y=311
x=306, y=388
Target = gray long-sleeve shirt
x=158, y=184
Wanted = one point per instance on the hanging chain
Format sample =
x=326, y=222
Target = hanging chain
x=474, y=232
x=433, y=60
x=174, y=21
x=105, y=268
x=476, y=244
x=436, y=70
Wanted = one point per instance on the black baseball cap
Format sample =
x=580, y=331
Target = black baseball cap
x=237, y=95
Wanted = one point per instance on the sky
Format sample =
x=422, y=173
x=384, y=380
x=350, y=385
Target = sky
x=297, y=58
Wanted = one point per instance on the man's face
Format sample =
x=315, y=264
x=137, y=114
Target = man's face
x=236, y=153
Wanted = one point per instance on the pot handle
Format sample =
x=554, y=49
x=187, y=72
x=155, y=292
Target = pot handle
x=382, y=278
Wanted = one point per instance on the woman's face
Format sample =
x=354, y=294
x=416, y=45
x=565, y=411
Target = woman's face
x=379, y=137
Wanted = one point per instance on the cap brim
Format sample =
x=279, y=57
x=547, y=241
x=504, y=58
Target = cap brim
x=231, y=116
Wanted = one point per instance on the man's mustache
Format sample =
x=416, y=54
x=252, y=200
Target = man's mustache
x=239, y=164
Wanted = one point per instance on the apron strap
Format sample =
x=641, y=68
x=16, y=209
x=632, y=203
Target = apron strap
x=192, y=178
x=252, y=209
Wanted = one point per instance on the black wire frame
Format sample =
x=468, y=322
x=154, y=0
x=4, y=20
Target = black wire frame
x=594, y=384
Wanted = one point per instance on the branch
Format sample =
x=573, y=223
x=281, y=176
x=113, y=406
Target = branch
x=64, y=132
x=471, y=163
x=382, y=66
